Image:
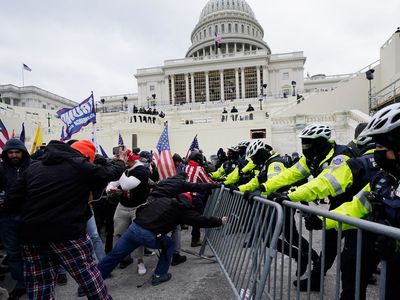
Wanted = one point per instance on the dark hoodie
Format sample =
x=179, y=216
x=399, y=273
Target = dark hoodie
x=52, y=195
x=8, y=171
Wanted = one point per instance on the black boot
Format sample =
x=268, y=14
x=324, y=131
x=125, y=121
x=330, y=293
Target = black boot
x=315, y=284
x=178, y=259
x=303, y=264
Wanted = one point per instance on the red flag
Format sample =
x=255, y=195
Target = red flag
x=3, y=136
x=163, y=156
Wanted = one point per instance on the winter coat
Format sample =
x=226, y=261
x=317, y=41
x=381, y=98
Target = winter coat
x=52, y=195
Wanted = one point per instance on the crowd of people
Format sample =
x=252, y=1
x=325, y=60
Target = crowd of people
x=68, y=209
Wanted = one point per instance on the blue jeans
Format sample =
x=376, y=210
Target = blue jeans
x=134, y=237
x=98, y=246
x=9, y=228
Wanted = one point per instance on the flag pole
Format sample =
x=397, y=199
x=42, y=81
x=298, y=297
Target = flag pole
x=94, y=138
x=23, y=81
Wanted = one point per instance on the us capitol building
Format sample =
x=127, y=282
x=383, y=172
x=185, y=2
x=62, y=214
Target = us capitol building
x=227, y=64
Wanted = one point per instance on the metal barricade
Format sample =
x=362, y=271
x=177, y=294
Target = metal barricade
x=246, y=245
x=353, y=250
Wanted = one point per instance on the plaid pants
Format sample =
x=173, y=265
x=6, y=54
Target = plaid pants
x=41, y=262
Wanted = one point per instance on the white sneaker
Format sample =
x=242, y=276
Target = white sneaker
x=141, y=269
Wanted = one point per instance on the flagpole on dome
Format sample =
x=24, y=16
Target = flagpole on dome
x=23, y=81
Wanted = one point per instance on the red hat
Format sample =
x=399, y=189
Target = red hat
x=131, y=156
x=86, y=148
x=188, y=196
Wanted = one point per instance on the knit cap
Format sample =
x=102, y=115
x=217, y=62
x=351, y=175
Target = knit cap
x=86, y=148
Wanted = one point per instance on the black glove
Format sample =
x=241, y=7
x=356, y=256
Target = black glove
x=249, y=196
x=278, y=197
x=312, y=222
x=233, y=188
x=385, y=247
x=261, y=187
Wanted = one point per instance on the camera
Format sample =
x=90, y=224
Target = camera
x=118, y=149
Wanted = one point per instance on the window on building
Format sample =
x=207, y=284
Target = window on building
x=200, y=34
x=200, y=87
x=229, y=84
x=250, y=79
x=286, y=91
x=222, y=28
x=229, y=28
x=216, y=29
x=204, y=33
x=285, y=75
x=248, y=30
x=214, y=85
x=44, y=106
x=252, y=30
x=236, y=27
x=242, y=28
x=7, y=101
x=258, y=133
x=152, y=88
x=180, y=89
x=209, y=31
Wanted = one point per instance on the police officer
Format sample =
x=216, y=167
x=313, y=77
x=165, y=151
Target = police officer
x=245, y=170
x=228, y=166
x=379, y=201
x=340, y=183
x=272, y=165
x=319, y=153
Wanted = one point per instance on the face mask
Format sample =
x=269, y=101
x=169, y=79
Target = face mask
x=260, y=157
x=390, y=165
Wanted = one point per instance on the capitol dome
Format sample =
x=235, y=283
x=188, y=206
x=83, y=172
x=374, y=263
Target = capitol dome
x=234, y=21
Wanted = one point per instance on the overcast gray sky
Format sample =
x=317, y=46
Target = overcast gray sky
x=75, y=46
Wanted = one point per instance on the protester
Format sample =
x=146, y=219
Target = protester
x=133, y=185
x=197, y=174
x=51, y=197
x=16, y=160
x=165, y=209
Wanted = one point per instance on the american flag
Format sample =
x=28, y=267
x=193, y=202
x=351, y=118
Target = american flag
x=163, y=156
x=193, y=146
x=25, y=67
x=3, y=136
x=120, y=140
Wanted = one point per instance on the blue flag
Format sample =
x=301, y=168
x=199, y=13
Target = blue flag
x=120, y=140
x=22, y=135
x=194, y=146
x=103, y=152
x=77, y=117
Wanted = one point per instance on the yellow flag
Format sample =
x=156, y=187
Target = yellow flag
x=38, y=141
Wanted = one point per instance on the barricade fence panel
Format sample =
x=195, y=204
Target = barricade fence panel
x=246, y=245
x=266, y=252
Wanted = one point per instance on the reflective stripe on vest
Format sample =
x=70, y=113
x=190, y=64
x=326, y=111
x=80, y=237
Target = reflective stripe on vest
x=362, y=196
x=335, y=184
x=301, y=169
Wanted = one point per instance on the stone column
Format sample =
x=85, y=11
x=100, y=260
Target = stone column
x=258, y=80
x=237, y=83
x=222, y=85
x=235, y=48
x=187, y=88
x=204, y=52
x=265, y=79
x=226, y=48
x=167, y=90
x=173, y=88
x=192, y=84
x=207, y=88
x=243, y=85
